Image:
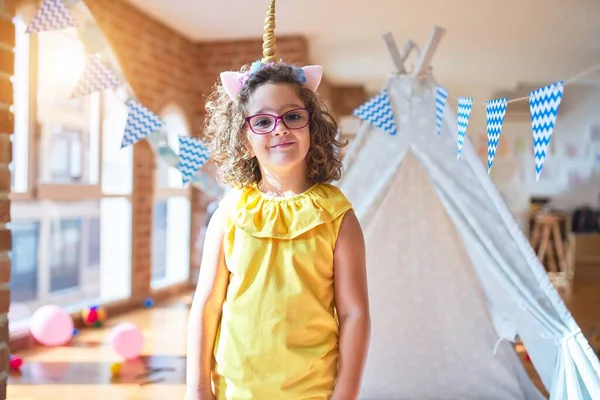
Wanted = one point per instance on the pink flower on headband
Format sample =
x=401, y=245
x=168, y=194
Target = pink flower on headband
x=244, y=77
x=254, y=68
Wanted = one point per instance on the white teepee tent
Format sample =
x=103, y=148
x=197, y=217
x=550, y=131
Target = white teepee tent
x=452, y=279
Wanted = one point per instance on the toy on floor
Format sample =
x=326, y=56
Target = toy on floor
x=115, y=369
x=15, y=362
x=127, y=340
x=93, y=316
x=50, y=325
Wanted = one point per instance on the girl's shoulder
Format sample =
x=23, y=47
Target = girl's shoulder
x=284, y=218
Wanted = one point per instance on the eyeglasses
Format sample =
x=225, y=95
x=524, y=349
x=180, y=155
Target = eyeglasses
x=263, y=124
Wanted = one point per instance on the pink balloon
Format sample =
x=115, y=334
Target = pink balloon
x=127, y=340
x=51, y=326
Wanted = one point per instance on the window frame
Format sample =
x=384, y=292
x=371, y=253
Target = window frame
x=163, y=194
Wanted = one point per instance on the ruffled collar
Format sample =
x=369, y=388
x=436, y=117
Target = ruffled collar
x=263, y=216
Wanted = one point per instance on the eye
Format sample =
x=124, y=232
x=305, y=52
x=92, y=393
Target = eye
x=294, y=116
x=262, y=122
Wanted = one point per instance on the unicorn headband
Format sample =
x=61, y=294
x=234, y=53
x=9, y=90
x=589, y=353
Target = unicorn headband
x=233, y=82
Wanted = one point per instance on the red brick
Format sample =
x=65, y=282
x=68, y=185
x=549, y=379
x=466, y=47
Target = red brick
x=4, y=332
x=5, y=240
x=4, y=271
x=6, y=91
x=5, y=148
x=4, y=179
x=4, y=300
x=4, y=211
x=6, y=121
x=7, y=61
x=7, y=31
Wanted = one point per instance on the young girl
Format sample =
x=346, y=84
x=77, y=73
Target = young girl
x=281, y=309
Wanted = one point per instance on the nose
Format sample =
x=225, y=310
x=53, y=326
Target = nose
x=280, y=128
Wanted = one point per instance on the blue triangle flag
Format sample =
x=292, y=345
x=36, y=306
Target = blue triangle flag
x=378, y=111
x=140, y=123
x=193, y=154
x=441, y=96
x=495, y=111
x=544, y=104
x=52, y=15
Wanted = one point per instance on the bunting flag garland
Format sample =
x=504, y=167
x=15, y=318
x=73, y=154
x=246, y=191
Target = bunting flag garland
x=465, y=105
x=495, y=111
x=193, y=154
x=378, y=111
x=140, y=123
x=52, y=15
x=544, y=104
x=96, y=78
x=202, y=180
x=441, y=96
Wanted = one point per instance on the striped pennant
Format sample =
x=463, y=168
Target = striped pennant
x=544, y=104
x=441, y=97
x=53, y=15
x=465, y=105
x=495, y=111
x=378, y=111
x=193, y=154
x=140, y=123
x=96, y=77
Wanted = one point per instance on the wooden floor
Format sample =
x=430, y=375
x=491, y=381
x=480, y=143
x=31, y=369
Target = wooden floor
x=82, y=370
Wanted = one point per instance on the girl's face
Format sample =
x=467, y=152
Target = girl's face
x=277, y=129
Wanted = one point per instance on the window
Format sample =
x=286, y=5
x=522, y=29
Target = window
x=171, y=223
x=24, y=261
x=71, y=187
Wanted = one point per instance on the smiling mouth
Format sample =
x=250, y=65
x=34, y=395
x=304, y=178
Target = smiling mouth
x=282, y=145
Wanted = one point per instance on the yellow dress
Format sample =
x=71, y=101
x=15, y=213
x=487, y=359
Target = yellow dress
x=278, y=336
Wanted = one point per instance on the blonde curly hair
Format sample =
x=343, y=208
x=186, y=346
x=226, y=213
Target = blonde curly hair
x=225, y=131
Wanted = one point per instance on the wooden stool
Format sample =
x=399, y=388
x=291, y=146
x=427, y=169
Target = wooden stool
x=547, y=240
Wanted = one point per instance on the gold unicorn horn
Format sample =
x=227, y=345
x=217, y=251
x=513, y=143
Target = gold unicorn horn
x=269, y=46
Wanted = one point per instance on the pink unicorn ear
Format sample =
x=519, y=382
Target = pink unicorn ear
x=232, y=83
x=313, y=74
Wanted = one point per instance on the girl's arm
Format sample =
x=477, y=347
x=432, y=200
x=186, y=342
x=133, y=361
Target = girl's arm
x=205, y=312
x=351, y=300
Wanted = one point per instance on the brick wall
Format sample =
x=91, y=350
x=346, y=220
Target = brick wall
x=7, y=42
x=346, y=98
x=215, y=57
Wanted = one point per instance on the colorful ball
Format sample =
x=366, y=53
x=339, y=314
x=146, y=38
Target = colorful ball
x=51, y=326
x=115, y=368
x=15, y=362
x=127, y=340
x=93, y=316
